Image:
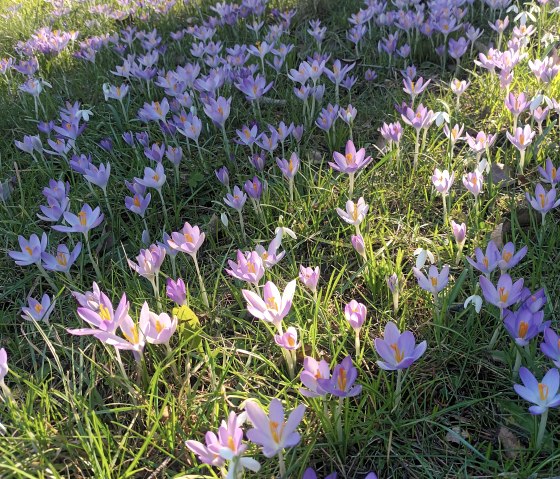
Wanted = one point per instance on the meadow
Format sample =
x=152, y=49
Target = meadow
x=310, y=239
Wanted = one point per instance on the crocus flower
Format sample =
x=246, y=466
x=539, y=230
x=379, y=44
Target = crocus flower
x=83, y=222
x=486, y=262
x=443, y=181
x=249, y=267
x=351, y=161
x=176, y=291
x=273, y=433
x=89, y=299
x=38, y=311
x=523, y=325
x=288, y=340
x=138, y=203
x=460, y=234
x=223, y=176
x=149, y=262
x=273, y=307
x=289, y=168
x=355, y=212
x=104, y=318
x=359, y=245
x=31, y=250
x=535, y=301
x=398, y=350
x=309, y=277
x=309, y=473
x=3, y=365
x=314, y=370
x=481, y=142
x=504, y=294
x=521, y=139
x=160, y=327
x=218, y=110
x=550, y=347
x=509, y=258
x=271, y=256
x=134, y=336
x=188, y=240
x=355, y=314
x=153, y=178
x=550, y=174
x=237, y=199
x=63, y=260
x=341, y=383
x=543, y=201
x=543, y=394
x=473, y=182
x=436, y=280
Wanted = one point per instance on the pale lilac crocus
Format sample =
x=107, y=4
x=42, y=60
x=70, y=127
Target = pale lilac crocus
x=480, y=143
x=509, y=258
x=189, y=240
x=309, y=473
x=550, y=174
x=176, y=291
x=359, y=245
x=63, y=260
x=488, y=261
x=38, y=311
x=288, y=340
x=31, y=250
x=104, y=318
x=249, y=267
x=273, y=306
x=436, y=280
x=473, y=182
x=236, y=200
x=314, y=370
x=148, y=265
x=543, y=395
x=460, y=234
x=521, y=139
x=160, y=327
x=420, y=119
x=355, y=213
x=273, y=432
x=394, y=287
x=443, y=181
x=350, y=162
x=289, y=169
x=309, y=277
x=516, y=105
x=83, y=222
x=524, y=325
x=550, y=347
x=355, y=313
x=543, y=201
x=504, y=294
x=3, y=372
x=342, y=382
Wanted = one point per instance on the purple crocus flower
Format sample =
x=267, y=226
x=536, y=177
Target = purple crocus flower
x=504, y=294
x=155, y=152
x=273, y=306
x=253, y=188
x=288, y=340
x=38, y=311
x=398, y=350
x=63, y=260
x=523, y=325
x=550, y=173
x=355, y=313
x=31, y=250
x=436, y=280
x=153, y=178
x=550, y=347
x=83, y=222
x=443, y=181
x=176, y=291
x=543, y=394
x=249, y=267
x=309, y=277
x=223, y=176
x=149, y=262
x=522, y=137
x=289, y=168
x=98, y=176
x=341, y=383
x=473, y=182
x=351, y=161
x=509, y=258
x=486, y=262
x=237, y=199
x=309, y=473
x=313, y=371
x=218, y=110
x=543, y=201
x=104, y=318
x=154, y=111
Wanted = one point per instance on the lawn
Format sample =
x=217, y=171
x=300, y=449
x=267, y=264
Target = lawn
x=217, y=215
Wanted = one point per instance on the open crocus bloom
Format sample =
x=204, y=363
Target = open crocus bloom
x=436, y=280
x=351, y=161
x=542, y=394
x=273, y=307
x=272, y=432
x=341, y=383
x=249, y=267
x=355, y=212
x=504, y=294
x=398, y=350
x=104, y=319
x=188, y=240
x=314, y=370
x=160, y=327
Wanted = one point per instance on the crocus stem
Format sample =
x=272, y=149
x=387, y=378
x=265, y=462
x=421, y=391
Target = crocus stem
x=155, y=287
x=226, y=143
x=291, y=189
x=395, y=301
x=416, y=149
x=281, y=465
x=444, y=197
x=351, y=185
x=201, y=282
x=517, y=364
x=339, y=419
x=542, y=428
x=6, y=390
x=357, y=343
x=165, y=219
x=521, y=160
x=92, y=259
x=47, y=277
x=242, y=225
x=398, y=390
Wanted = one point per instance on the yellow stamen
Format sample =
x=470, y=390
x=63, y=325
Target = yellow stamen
x=523, y=328
x=251, y=267
x=38, y=308
x=507, y=256
x=136, y=201
x=542, y=198
x=231, y=444
x=159, y=326
x=342, y=379
x=104, y=313
x=134, y=339
x=543, y=391
x=399, y=355
x=188, y=238
x=271, y=303
x=61, y=259
x=29, y=250
x=434, y=281
x=503, y=294
x=83, y=219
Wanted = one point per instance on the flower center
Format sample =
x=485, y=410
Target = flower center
x=104, y=313
x=523, y=328
x=507, y=256
x=38, y=308
x=542, y=199
x=231, y=444
x=251, y=267
x=434, y=281
x=136, y=201
x=134, y=339
x=61, y=259
x=399, y=355
x=29, y=250
x=275, y=433
x=342, y=379
x=83, y=219
x=543, y=391
x=188, y=238
x=503, y=294
x=291, y=341
x=271, y=303
x=159, y=326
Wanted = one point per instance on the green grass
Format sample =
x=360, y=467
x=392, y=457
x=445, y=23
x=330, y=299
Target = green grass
x=74, y=415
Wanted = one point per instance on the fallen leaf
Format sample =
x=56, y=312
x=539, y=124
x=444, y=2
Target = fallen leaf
x=509, y=442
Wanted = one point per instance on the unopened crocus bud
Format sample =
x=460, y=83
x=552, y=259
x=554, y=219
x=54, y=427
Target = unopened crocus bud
x=460, y=233
x=224, y=219
x=297, y=133
x=309, y=277
x=355, y=313
x=223, y=176
x=288, y=340
x=176, y=291
x=359, y=245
